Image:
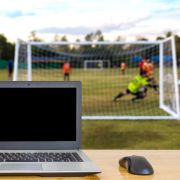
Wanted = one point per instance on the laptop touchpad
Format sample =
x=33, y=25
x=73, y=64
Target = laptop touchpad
x=21, y=166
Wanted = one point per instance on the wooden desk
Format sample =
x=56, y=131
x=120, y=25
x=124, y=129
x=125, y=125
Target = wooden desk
x=166, y=164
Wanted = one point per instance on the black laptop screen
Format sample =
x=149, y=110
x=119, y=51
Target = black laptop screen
x=38, y=114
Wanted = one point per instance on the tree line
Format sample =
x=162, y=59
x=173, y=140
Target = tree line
x=7, y=48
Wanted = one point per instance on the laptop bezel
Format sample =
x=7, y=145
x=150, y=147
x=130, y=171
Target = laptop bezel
x=46, y=145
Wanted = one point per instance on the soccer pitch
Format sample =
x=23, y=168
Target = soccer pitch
x=131, y=134
x=100, y=86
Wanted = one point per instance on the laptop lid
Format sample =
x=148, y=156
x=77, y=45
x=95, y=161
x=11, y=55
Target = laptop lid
x=40, y=115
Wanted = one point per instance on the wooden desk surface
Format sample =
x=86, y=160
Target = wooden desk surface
x=166, y=164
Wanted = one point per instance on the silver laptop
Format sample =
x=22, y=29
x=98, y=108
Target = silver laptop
x=41, y=129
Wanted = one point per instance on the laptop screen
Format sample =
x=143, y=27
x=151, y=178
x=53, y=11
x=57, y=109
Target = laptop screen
x=38, y=114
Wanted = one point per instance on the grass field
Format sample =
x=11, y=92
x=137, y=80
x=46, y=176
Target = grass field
x=98, y=89
x=131, y=134
x=100, y=86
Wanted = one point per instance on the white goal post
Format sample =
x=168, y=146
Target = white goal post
x=169, y=90
x=43, y=61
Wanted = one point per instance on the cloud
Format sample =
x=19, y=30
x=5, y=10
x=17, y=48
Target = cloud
x=167, y=11
x=17, y=13
x=80, y=30
x=67, y=30
x=124, y=26
x=80, y=17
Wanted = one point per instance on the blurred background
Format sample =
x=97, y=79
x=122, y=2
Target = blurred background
x=105, y=69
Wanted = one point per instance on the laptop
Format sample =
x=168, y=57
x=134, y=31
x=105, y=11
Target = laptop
x=41, y=130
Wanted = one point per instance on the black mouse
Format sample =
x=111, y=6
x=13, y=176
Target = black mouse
x=136, y=165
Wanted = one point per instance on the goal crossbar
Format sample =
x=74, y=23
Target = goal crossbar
x=93, y=42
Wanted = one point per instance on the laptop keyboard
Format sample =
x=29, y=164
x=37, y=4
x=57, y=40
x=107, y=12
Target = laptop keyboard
x=40, y=157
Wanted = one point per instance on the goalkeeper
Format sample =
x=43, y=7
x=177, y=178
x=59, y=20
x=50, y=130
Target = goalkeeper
x=137, y=87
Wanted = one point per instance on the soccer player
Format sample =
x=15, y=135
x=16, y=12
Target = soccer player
x=123, y=67
x=10, y=69
x=148, y=70
x=137, y=87
x=66, y=71
x=142, y=65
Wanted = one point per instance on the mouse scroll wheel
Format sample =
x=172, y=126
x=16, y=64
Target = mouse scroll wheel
x=126, y=164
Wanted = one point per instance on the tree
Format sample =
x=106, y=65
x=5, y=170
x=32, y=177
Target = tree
x=6, y=48
x=89, y=37
x=64, y=48
x=64, y=38
x=159, y=38
x=140, y=38
x=33, y=36
x=3, y=42
x=168, y=34
x=74, y=48
x=120, y=38
x=177, y=38
x=98, y=36
x=57, y=37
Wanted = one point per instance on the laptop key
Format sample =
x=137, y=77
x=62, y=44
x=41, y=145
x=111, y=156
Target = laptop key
x=22, y=160
x=40, y=157
x=77, y=157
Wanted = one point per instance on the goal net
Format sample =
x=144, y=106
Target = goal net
x=108, y=92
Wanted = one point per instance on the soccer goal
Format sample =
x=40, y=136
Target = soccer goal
x=43, y=61
x=96, y=64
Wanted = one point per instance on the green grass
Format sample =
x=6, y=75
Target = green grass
x=131, y=134
x=4, y=75
x=99, y=87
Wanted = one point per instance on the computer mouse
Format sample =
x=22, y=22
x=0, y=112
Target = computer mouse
x=138, y=165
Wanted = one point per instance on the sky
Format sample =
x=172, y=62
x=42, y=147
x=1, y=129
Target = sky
x=75, y=18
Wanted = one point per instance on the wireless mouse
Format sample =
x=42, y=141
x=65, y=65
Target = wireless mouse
x=138, y=165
